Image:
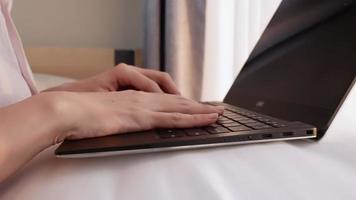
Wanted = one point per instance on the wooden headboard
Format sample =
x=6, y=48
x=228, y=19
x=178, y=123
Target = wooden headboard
x=78, y=62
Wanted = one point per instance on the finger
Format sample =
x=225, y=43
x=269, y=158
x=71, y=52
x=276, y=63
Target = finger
x=133, y=78
x=193, y=108
x=174, y=103
x=180, y=120
x=163, y=79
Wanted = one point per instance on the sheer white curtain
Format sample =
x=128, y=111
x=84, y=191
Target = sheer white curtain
x=232, y=29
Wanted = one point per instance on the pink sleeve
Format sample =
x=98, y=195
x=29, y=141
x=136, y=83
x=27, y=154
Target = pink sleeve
x=16, y=79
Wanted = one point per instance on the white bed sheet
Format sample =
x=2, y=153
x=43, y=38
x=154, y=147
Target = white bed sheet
x=279, y=170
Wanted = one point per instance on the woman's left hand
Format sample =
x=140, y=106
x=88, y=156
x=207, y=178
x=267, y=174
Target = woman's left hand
x=124, y=77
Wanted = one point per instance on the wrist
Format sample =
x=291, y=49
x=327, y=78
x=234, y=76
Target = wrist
x=52, y=115
x=27, y=128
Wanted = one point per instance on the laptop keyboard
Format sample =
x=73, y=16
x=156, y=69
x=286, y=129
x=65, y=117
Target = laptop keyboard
x=233, y=120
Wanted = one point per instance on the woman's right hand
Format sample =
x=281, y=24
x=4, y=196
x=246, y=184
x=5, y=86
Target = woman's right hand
x=32, y=125
x=86, y=115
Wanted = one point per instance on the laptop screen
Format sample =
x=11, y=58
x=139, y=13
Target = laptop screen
x=303, y=65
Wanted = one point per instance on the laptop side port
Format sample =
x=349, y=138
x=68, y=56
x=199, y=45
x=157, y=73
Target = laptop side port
x=287, y=134
x=310, y=132
x=267, y=136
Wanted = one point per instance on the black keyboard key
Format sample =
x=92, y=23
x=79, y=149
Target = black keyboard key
x=195, y=132
x=254, y=123
x=230, y=115
x=239, y=118
x=227, y=122
x=217, y=130
x=232, y=124
x=250, y=115
x=239, y=128
x=265, y=120
x=263, y=126
x=226, y=113
x=213, y=125
x=223, y=119
x=234, y=109
x=234, y=115
x=242, y=112
x=259, y=118
x=245, y=121
x=170, y=133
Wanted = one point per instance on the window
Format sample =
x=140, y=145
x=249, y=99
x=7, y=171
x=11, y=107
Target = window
x=232, y=29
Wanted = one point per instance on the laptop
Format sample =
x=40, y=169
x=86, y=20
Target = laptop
x=290, y=88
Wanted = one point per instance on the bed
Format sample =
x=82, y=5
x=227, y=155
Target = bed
x=278, y=170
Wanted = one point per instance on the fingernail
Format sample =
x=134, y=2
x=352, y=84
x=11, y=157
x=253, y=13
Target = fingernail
x=213, y=116
x=221, y=109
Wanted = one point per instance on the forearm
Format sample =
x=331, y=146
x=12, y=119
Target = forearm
x=26, y=128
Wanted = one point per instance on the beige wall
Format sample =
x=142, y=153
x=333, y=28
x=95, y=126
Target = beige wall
x=80, y=23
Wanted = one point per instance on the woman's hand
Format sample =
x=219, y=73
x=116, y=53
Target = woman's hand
x=100, y=107
x=85, y=115
x=30, y=126
x=124, y=77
